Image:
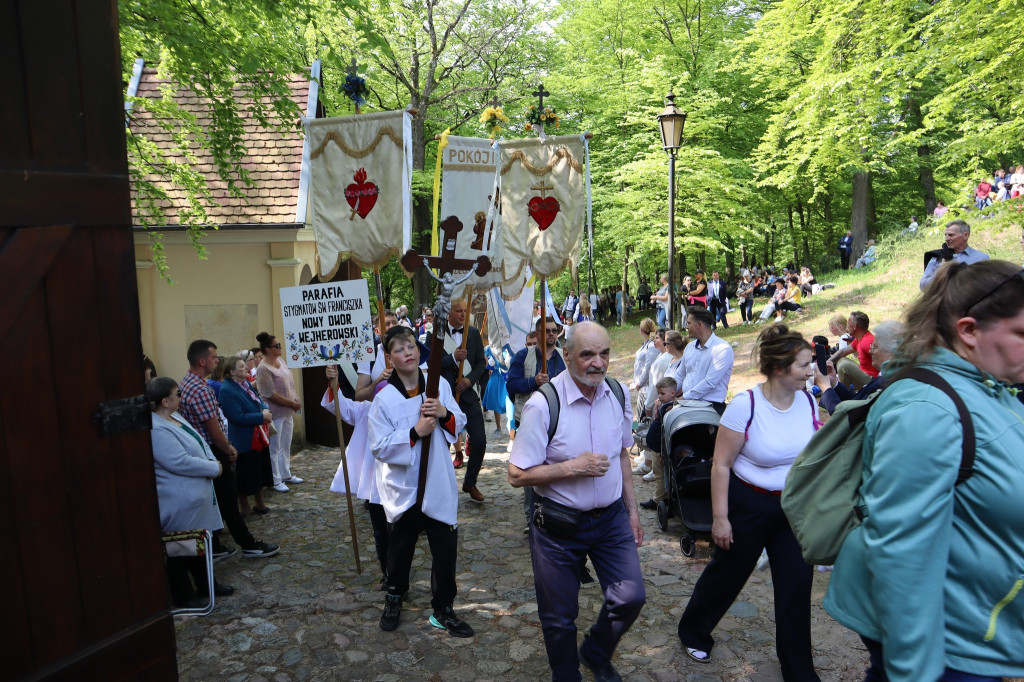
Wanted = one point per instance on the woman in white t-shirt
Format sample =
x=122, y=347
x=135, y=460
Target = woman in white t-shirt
x=760, y=434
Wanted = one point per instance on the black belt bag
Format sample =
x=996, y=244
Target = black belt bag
x=555, y=518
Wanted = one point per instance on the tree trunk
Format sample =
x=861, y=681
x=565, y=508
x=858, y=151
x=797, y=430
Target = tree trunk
x=792, y=236
x=703, y=260
x=861, y=212
x=681, y=257
x=625, y=285
x=804, y=229
x=730, y=257
x=927, y=179
x=423, y=285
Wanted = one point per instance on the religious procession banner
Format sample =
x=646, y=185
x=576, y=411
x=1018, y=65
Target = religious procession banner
x=543, y=204
x=360, y=188
x=509, y=321
x=467, y=191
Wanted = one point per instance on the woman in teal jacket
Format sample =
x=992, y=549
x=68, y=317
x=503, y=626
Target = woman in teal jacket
x=932, y=579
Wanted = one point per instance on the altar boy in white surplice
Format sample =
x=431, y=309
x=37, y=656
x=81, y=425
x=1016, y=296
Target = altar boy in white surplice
x=401, y=418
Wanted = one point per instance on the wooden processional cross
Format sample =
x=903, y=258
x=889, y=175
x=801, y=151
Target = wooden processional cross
x=445, y=264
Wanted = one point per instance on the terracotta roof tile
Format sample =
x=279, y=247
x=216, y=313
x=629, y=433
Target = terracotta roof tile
x=273, y=162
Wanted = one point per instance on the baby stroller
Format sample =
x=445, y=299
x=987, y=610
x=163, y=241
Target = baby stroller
x=688, y=443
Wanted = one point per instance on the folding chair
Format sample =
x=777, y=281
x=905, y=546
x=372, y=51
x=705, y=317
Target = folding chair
x=187, y=543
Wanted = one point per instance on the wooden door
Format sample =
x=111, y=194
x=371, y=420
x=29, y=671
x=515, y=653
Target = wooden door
x=81, y=566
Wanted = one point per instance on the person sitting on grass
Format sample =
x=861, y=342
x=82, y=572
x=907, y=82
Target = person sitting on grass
x=791, y=299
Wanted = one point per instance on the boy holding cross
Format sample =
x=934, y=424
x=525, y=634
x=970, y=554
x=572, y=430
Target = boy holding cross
x=401, y=417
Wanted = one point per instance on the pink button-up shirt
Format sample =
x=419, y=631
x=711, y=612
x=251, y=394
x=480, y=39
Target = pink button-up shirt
x=600, y=426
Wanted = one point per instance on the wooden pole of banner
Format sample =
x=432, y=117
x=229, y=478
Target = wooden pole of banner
x=344, y=465
x=542, y=342
x=465, y=335
x=380, y=313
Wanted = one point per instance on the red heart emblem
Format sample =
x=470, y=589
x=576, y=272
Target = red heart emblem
x=361, y=195
x=543, y=210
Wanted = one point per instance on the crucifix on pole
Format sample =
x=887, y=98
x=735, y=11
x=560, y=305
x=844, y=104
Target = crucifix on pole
x=540, y=93
x=495, y=102
x=445, y=264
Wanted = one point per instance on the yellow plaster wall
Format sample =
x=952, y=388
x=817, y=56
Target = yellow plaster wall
x=243, y=267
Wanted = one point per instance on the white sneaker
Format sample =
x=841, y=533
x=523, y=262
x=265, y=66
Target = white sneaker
x=293, y=480
x=641, y=470
x=281, y=488
x=650, y=476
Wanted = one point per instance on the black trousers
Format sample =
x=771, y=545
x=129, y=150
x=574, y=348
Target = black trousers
x=444, y=551
x=226, y=489
x=758, y=522
x=379, y=522
x=181, y=571
x=844, y=257
x=470, y=404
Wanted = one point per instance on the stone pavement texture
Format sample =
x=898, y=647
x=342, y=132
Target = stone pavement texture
x=306, y=614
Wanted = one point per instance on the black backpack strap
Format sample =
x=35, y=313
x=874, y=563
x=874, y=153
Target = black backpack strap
x=554, y=407
x=927, y=376
x=616, y=389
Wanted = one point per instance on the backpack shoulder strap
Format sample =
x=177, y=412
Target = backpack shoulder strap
x=927, y=376
x=746, y=429
x=554, y=407
x=814, y=410
x=616, y=389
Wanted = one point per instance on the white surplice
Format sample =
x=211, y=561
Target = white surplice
x=398, y=462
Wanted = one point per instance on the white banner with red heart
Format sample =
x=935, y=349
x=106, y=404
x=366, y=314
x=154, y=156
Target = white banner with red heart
x=360, y=188
x=543, y=204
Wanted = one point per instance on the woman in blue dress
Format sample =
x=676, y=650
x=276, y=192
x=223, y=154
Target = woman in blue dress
x=495, y=394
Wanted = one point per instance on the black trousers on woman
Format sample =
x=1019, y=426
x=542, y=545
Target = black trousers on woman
x=758, y=522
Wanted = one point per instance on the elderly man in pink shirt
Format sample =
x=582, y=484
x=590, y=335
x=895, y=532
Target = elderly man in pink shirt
x=584, y=505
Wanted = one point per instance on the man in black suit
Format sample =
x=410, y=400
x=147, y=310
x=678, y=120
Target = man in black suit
x=465, y=388
x=718, y=300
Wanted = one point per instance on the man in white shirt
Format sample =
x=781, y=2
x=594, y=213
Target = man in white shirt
x=707, y=362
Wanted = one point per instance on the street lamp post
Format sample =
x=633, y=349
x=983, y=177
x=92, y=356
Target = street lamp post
x=671, y=122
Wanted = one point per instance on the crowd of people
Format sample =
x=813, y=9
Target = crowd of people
x=929, y=578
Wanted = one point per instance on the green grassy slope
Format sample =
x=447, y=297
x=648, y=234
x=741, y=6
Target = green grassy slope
x=882, y=291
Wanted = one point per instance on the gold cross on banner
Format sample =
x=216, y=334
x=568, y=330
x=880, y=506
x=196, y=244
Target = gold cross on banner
x=542, y=187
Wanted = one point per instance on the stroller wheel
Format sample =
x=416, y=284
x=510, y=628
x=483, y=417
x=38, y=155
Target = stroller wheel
x=662, y=515
x=687, y=544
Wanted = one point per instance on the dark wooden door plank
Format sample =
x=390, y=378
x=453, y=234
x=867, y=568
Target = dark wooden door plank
x=24, y=262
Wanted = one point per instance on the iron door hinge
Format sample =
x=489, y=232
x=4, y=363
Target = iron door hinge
x=123, y=416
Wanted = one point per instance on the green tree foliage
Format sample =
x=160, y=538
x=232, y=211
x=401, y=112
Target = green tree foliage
x=803, y=119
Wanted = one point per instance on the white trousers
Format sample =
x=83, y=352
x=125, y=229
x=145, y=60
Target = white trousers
x=281, y=448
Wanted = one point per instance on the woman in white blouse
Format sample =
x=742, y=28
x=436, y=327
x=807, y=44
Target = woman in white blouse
x=760, y=434
x=276, y=386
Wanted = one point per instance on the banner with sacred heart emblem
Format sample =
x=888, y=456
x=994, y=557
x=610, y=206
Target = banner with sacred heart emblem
x=543, y=204
x=360, y=188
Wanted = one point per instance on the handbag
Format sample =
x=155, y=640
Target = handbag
x=555, y=518
x=260, y=439
x=271, y=429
